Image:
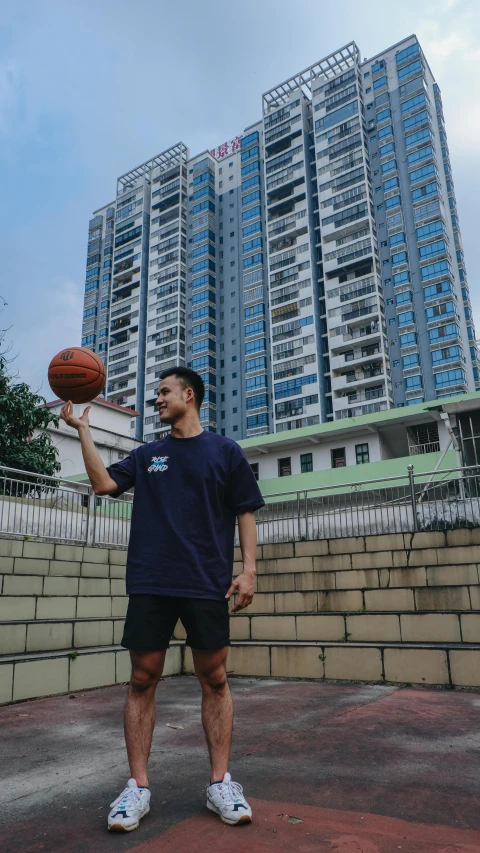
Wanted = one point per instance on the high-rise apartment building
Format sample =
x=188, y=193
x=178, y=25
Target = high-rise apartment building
x=310, y=269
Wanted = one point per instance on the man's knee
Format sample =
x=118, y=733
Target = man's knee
x=146, y=672
x=142, y=680
x=215, y=679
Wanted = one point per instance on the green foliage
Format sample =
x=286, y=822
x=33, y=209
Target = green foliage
x=21, y=412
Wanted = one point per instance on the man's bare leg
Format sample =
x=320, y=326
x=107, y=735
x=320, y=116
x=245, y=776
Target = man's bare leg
x=147, y=668
x=217, y=707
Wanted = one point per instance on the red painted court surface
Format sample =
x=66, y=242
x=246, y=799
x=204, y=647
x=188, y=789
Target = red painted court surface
x=348, y=768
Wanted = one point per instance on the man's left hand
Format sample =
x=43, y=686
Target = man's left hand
x=244, y=585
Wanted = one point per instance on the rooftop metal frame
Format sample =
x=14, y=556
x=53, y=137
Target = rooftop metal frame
x=171, y=157
x=341, y=60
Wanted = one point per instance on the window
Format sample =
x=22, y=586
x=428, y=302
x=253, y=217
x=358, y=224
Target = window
x=408, y=340
x=254, y=467
x=285, y=467
x=409, y=69
x=402, y=298
x=436, y=269
x=389, y=166
x=443, y=356
x=306, y=463
x=383, y=114
x=401, y=278
x=338, y=458
x=406, y=318
x=416, y=101
x=257, y=420
x=450, y=377
x=431, y=249
x=395, y=239
x=412, y=383
x=385, y=131
x=421, y=154
x=390, y=184
x=386, y=149
x=399, y=258
x=402, y=55
x=362, y=454
x=444, y=309
x=411, y=360
x=394, y=201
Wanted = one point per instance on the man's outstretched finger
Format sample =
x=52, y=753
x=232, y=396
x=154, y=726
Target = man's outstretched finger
x=231, y=590
x=241, y=603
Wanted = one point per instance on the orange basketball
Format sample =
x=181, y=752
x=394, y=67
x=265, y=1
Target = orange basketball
x=76, y=374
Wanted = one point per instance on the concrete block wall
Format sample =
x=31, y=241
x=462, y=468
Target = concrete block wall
x=62, y=609
x=396, y=608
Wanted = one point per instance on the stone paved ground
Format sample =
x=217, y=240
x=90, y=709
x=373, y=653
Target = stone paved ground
x=361, y=769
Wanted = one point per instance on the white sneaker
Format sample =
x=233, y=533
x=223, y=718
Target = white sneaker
x=129, y=808
x=226, y=799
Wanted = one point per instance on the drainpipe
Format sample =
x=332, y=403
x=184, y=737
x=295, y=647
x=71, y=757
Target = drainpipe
x=456, y=447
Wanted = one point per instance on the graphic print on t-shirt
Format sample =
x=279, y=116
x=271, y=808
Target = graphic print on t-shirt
x=158, y=464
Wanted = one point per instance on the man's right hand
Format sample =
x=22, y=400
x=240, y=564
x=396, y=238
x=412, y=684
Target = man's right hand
x=67, y=415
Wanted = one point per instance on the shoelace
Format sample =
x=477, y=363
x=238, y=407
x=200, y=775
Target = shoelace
x=235, y=791
x=128, y=799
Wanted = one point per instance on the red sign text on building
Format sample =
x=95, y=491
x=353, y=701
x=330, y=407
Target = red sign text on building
x=226, y=148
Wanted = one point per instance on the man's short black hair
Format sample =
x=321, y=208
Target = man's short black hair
x=188, y=379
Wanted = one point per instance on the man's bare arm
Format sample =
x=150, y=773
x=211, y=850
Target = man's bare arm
x=102, y=482
x=244, y=584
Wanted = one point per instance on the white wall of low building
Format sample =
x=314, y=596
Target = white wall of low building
x=110, y=428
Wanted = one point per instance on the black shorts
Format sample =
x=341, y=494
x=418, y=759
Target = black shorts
x=151, y=620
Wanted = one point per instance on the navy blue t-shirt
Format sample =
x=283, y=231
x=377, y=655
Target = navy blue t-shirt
x=188, y=492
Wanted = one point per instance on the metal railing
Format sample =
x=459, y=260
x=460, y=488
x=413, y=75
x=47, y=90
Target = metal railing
x=57, y=509
x=54, y=508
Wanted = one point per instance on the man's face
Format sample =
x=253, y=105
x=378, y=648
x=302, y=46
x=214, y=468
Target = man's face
x=172, y=399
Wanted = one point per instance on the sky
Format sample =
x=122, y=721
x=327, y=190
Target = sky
x=91, y=88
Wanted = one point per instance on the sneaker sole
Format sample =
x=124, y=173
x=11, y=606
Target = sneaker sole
x=119, y=827
x=246, y=818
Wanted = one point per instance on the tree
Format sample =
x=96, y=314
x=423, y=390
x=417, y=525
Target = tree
x=21, y=412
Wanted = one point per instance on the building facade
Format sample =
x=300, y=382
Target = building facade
x=310, y=269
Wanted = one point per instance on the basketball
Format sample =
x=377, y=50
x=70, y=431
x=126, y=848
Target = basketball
x=76, y=374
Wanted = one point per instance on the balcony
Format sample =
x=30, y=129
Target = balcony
x=356, y=377
x=365, y=396
x=284, y=177
x=338, y=362
x=357, y=411
x=289, y=223
x=127, y=267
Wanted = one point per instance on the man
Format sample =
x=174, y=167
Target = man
x=189, y=488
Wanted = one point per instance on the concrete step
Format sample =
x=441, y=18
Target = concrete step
x=397, y=599
x=291, y=580
x=44, y=635
x=26, y=607
x=31, y=676
x=443, y=664
x=438, y=627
